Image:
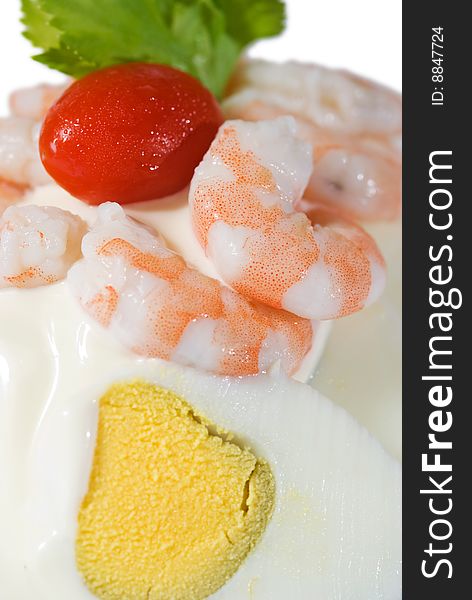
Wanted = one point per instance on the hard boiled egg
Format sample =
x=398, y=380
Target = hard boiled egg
x=323, y=510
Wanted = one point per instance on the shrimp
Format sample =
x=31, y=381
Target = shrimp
x=20, y=165
x=243, y=200
x=34, y=102
x=157, y=306
x=354, y=126
x=37, y=245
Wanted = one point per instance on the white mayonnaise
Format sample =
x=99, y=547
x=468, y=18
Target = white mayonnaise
x=49, y=350
x=171, y=218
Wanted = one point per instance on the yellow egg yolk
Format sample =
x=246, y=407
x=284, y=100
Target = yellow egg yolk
x=173, y=505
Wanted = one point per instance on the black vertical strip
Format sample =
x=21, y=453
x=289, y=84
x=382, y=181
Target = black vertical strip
x=432, y=128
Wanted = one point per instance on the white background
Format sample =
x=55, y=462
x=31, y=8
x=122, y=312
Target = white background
x=361, y=35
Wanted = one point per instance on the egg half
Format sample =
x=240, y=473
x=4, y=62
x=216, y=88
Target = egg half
x=332, y=526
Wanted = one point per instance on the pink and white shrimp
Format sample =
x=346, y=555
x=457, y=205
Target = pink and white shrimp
x=244, y=200
x=157, y=306
x=20, y=165
x=34, y=102
x=353, y=125
x=37, y=245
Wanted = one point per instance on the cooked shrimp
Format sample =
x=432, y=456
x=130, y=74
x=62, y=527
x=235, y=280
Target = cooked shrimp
x=354, y=126
x=34, y=102
x=243, y=199
x=157, y=306
x=20, y=165
x=37, y=245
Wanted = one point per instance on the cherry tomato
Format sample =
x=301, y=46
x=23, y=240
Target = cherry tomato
x=128, y=133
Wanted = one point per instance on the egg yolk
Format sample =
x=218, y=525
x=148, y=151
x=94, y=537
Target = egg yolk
x=174, y=505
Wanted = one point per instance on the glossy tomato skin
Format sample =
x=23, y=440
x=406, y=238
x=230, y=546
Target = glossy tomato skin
x=128, y=133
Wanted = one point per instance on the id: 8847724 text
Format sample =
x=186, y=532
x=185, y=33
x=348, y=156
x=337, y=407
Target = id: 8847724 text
x=437, y=69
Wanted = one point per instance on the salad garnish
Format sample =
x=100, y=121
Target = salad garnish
x=201, y=37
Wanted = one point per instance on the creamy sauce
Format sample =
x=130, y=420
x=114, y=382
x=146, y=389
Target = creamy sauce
x=171, y=218
x=49, y=350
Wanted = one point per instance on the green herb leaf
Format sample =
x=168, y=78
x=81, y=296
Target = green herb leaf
x=38, y=30
x=202, y=37
x=250, y=20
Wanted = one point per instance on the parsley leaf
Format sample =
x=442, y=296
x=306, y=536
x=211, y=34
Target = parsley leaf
x=249, y=21
x=202, y=37
x=38, y=30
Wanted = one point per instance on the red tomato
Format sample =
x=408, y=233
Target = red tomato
x=128, y=133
